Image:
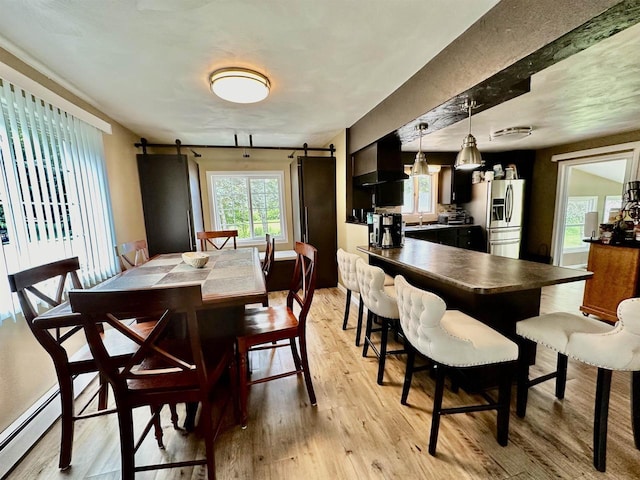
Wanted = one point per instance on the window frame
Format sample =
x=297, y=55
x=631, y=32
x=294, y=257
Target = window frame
x=278, y=174
x=415, y=216
x=594, y=203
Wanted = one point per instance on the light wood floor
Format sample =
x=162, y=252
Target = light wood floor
x=359, y=430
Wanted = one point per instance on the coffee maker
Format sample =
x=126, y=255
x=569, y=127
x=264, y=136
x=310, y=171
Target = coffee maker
x=386, y=230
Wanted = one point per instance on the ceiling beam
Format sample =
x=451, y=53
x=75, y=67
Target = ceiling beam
x=511, y=31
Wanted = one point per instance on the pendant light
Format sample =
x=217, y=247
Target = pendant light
x=420, y=165
x=469, y=157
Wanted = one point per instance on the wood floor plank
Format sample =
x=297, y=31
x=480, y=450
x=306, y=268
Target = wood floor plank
x=359, y=430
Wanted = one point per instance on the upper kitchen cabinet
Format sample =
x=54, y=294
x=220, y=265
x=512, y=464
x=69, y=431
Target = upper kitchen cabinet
x=455, y=186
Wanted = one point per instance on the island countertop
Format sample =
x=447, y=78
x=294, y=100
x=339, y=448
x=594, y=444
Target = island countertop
x=471, y=271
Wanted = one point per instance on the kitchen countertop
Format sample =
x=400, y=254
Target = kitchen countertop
x=476, y=272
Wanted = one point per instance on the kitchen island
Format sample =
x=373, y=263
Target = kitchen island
x=498, y=291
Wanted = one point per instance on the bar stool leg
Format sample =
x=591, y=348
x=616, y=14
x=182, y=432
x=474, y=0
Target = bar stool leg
x=523, y=386
x=359, y=327
x=437, y=408
x=346, y=310
x=504, y=402
x=561, y=376
x=635, y=407
x=367, y=333
x=383, y=348
x=408, y=374
x=603, y=387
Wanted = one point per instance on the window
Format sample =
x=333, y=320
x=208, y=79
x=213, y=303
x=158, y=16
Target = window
x=250, y=203
x=420, y=197
x=577, y=207
x=612, y=205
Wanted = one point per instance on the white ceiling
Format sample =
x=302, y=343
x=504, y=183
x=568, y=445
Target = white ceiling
x=146, y=63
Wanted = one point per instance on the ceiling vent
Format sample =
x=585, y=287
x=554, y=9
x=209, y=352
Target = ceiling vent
x=511, y=133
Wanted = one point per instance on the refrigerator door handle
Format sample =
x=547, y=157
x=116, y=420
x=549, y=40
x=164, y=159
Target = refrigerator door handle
x=509, y=203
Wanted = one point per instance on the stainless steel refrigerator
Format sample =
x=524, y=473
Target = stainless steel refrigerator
x=497, y=206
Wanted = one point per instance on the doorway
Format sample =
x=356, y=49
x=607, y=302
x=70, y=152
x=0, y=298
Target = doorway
x=587, y=184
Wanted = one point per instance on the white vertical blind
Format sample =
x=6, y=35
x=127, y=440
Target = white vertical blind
x=53, y=187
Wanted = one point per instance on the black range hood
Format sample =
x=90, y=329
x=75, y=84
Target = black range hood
x=378, y=177
x=378, y=163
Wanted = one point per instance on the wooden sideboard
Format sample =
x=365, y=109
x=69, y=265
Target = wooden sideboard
x=615, y=277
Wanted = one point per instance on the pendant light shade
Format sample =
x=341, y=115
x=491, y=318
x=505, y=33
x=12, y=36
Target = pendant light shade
x=469, y=157
x=420, y=165
x=240, y=85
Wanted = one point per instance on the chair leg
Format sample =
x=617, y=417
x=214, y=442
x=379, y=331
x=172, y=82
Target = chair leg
x=408, y=373
x=603, y=388
x=437, y=408
x=174, y=416
x=346, y=310
x=157, y=426
x=523, y=386
x=209, y=440
x=504, y=402
x=383, y=348
x=635, y=407
x=190, y=416
x=367, y=333
x=244, y=387
x=305, y=369
x=67, y=421
x=294, y=352
x=103, y=394
x=561, y=376
x=127, y=453
x=359, y=327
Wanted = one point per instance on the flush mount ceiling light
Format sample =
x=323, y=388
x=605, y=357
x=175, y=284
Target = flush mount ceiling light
x=469, y=157
x=511, y=133
x=240, y=85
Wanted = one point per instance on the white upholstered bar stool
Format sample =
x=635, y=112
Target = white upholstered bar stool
x=594, y=343
x=347, y=267
x=454, y=341
x=381, y=303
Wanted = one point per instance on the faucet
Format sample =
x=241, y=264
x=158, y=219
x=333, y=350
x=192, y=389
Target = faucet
x=420, y=219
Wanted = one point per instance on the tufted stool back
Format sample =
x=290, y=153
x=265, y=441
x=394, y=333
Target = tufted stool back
x=347, y=266
x=377, y=298
x=617, y=349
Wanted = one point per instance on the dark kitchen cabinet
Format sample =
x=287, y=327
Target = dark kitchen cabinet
x=313, y=195
x=454, y=186
x=469, y=237
x=170, y=188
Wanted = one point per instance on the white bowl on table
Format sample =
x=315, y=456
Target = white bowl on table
x=195, y=259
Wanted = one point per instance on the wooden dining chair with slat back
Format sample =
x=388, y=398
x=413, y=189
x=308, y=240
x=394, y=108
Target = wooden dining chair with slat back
x=211, y=238
x=54, y=330
x=132, y=254
x=262, y=328
x=162, y=370
x=267, y=263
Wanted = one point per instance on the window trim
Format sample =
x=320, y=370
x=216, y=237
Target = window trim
x=279, y=174
x=414, y=217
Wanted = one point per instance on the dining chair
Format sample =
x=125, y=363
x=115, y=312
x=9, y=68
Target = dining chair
x=454, y=342
x=261, y=327
x=593, y=342
x=54, y=331
x=132, y=254
x=267, y=263
x=382, y=306
x=210, y=238
x=161, y=371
